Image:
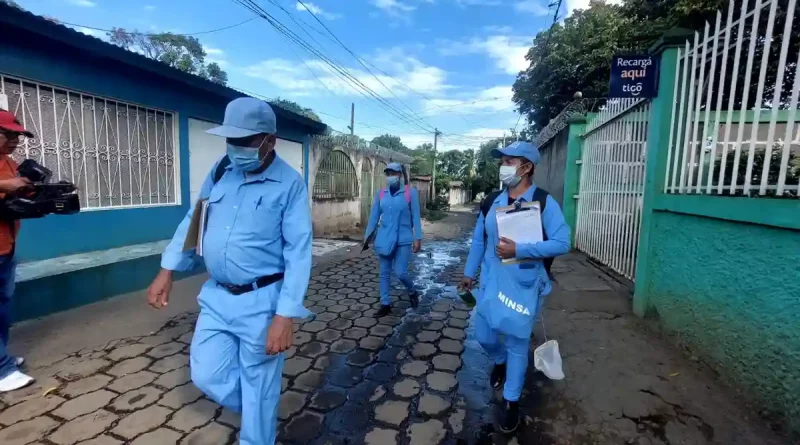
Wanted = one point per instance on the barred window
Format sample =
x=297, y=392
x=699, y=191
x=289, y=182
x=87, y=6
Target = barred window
x=118, y=154
x=336, y=178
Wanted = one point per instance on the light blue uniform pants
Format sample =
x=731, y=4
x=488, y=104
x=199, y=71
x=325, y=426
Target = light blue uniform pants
x=229, y=362
x=398, y=261
x=512, y=351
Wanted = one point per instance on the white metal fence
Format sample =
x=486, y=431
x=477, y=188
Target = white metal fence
x=735, y=123
x=118, y=154
x=612, y=184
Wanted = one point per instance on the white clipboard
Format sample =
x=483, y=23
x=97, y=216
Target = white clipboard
x=521, y=224
x=197, y=228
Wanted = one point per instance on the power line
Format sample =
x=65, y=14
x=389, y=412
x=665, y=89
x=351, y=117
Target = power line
x=157, y=33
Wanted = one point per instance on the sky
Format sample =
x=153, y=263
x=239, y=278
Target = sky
x=447, y=64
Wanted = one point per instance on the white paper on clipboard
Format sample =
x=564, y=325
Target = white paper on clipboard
x=522, y=227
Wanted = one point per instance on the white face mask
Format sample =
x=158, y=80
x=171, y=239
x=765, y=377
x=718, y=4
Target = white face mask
x=508, y=175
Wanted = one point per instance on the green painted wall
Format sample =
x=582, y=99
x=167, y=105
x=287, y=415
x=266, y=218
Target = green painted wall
x=731, y=291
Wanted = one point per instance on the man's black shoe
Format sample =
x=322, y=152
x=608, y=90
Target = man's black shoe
x=509, y=419
x=498, y=376
x=384, y=311
x=414, y=297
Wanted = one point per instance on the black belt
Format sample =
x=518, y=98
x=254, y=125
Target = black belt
x=259, y=283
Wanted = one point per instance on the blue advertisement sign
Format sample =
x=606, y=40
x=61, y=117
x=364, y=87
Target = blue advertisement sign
x=634, y=76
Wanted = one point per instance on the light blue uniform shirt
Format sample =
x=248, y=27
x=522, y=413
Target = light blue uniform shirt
x=483, y=253
x=257, y=225
x=399, y=220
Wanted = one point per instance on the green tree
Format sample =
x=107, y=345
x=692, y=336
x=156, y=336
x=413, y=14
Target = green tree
x=181, y=52
x=423, y=160
x=391, y=142
x=294, y=107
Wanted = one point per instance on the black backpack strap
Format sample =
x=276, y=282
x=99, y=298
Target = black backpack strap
x=219, y=172
x=540, y=195
x=487, y=202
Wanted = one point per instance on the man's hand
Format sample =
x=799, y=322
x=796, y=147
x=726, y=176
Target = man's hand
x=279, y=337
x=506, y=248
x=14, y=184
x=466, y=283
x=416, y=246
x=158, y=292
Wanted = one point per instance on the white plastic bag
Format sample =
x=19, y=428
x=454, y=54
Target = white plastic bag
x=547, y=359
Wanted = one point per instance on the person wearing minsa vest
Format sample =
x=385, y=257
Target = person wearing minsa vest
x=396, y=217
x=11, y=134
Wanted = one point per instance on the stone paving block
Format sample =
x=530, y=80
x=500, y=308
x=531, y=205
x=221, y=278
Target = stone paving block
x=355, y=333
x=304, y=427
x=301, y=338
x=365, y=322
x=101, y=440
x=329, y=335
x=22, y=433
x=79, y=369
x=381, y=330
x=170, y=363
x=423, y=350
x=290, y=353
x=230, y=418
x=433, y=315
x=161, y=436
x=186, y=338
x=313, y=326
x=463, y=315
x=441, y=381
x=291, y=403
x=393, y=412
x=381, y=436
x=309, y=381
x=371, y=343
x=313, y=349
x=29, y=409
x=428, y=336
x=458, y=323
x=389, y=320
x=296, y=365
x=132, y=381
x=322, y=363
x=128, y=351
x=447, y=362
x=415, y=368
x=379, y=392
x=136, y=399
x=166, y=349
x=141, y=421
x=130, y=366
x=180, y=396
x=211, y=434
x=174, y=378
x=432, y=405
x=456, y=420
x=451, y=346
x=84, y=404
x=406, y=388
x=392, y=355
x=191, y=416
x=455, y=334
x=155, y=340
x=340, y=324
x=327, y=399
x=360, y=358
x=326, y=317
x=338, y=308
x=343, y=346
x=431, y=432
x=82, y=428
x=433, y=326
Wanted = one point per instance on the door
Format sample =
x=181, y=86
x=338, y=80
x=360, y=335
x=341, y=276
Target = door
x=366, y=191
x=204, y=150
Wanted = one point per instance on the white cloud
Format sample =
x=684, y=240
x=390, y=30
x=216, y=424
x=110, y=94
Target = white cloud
x=532, y=7
x=83, y=3
x=572, y=5
x=488, y=100
x=215, y=55
x=508, y=53
x=393, y=7
x=405, y=73
x=213, y=51
x=149, y=8
x=316, y=10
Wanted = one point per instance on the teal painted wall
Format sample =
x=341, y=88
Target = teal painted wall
x=731, y=291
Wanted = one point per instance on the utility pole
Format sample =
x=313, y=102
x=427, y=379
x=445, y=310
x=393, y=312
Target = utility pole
x=352, y=118
x=433, y=167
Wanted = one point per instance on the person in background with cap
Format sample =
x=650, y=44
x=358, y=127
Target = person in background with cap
x=257, y=250
x=488, y=249
x=399, y=234
x=11, y=132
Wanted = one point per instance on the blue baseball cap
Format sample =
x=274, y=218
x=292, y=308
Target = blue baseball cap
x=393, y=167
x=246, y=116
x=519, y=149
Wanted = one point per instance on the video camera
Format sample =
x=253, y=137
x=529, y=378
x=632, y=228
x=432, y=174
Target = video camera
x=60, y=198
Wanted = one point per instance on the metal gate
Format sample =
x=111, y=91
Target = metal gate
x=379, y=177
x=367, y=192
x=612, y=184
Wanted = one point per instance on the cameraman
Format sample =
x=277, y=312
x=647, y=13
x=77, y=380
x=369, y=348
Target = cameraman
x=11, y=132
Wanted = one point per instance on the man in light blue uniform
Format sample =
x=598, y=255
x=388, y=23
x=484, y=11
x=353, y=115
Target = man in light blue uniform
x=257, y=250
x=510, y=354
x=399, y=234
